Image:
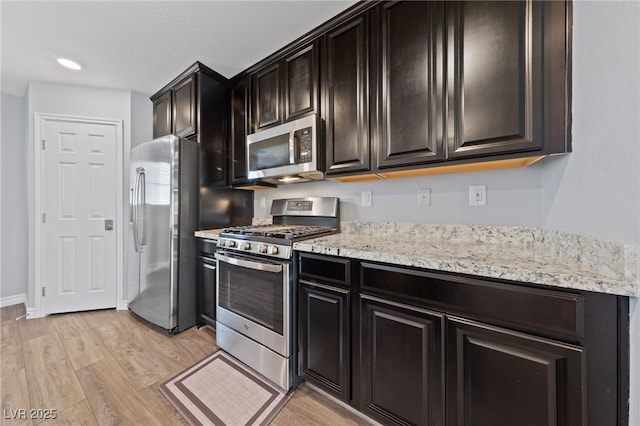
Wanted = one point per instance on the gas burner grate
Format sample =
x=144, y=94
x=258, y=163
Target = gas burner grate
x=288, y=232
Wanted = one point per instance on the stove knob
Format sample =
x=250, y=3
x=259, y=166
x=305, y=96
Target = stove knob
x=246, y=246
x=273, y=250
x=263, y=248
x=231, y=243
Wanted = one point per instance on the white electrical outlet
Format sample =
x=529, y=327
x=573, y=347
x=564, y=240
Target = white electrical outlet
x=366, y=198
x=478, y=195
x=263, y=202
x=424, y=196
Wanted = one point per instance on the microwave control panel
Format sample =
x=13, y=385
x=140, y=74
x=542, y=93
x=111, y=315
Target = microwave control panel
x=305, y=145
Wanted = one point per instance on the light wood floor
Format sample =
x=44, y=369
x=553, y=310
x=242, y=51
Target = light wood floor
x=105, y=367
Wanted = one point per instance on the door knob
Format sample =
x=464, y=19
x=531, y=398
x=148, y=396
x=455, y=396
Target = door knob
x=108, y=225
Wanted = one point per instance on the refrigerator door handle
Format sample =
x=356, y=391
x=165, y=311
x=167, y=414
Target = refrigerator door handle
x=134, y=211
x=142, y=195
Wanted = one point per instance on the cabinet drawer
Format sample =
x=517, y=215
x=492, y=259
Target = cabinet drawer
x=549, y=312
x=207, y=247
x=330, y=269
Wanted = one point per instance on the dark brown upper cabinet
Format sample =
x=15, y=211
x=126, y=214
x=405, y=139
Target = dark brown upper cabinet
x=408, y=52
x=286, y=89
x=195, y=105
x=174, y=111
x=267, y=98
x=505, y=59
x=240, y=128
x=494, y=65
x=185, y=107
x=345, y=99
x=300, y=82
x=163, y=115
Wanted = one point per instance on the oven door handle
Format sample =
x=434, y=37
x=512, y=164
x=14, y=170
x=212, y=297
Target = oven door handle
x=260, y=266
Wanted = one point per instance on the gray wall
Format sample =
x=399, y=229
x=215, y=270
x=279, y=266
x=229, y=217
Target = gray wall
x=13, y=281
x=17, y=214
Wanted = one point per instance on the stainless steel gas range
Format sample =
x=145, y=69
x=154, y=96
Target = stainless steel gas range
x=255, y=312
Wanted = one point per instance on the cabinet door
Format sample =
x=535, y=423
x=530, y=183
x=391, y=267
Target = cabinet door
x=409, y=37
x=495, y=77
x=346, y=102
x=240, y=107
x=325, y=337
x=300, y=82
x=206, y=291
x=162, y=114
x=185, y=105
x=402, y=367
x=266, y=97
x=499, y=377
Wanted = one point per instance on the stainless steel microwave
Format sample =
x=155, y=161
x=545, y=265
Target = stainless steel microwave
x=287, y=153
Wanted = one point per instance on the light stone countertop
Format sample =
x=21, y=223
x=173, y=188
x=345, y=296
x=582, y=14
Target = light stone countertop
x=528, y=255
x=211, y=234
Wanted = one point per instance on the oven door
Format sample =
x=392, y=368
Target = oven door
x=254, y=299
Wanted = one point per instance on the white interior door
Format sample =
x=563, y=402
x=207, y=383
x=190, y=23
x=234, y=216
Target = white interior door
x=78, y=194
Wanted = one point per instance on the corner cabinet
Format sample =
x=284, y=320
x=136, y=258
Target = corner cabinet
x=412, y=346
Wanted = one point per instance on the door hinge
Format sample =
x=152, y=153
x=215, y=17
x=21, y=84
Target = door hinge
x=43, y=144
x=44, y=218
x=44, y=291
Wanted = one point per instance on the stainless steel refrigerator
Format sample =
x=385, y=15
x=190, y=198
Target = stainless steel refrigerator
x=164, y=190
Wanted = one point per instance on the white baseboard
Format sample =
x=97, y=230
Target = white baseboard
x=13, y=300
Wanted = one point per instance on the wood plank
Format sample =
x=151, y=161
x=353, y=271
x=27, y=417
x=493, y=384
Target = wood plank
x=15, y=396
x=112, y=396
x=82, y=344
x=160, y=406
x=9, y=313
x=10, y=348
x=309, y=407
x=77, y=415
x=36, y=327
x=143, y=362
x=121, y=386
x=50, y=377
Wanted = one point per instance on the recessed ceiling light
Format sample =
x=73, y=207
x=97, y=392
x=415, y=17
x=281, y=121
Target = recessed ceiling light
x=68, y=63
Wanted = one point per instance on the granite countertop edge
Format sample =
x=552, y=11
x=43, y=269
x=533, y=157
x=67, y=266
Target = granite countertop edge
x=509, y=262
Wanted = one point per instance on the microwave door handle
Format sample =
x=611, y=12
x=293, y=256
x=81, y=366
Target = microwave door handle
x=259, y=266
x=292, y=147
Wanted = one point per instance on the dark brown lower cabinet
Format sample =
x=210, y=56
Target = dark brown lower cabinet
x=409, y=346
x=206, y=283
x=326, y=337
x=402, y=372
x=500, y=377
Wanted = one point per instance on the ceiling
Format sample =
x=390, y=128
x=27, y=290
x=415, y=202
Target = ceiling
x=142, y=45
